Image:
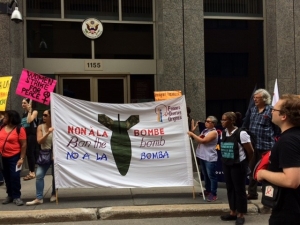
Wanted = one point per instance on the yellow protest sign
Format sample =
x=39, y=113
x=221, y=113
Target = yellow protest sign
x=164, y=95
x=4, y=89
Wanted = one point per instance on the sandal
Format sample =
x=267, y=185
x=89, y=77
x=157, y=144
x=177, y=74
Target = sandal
x=29, y=177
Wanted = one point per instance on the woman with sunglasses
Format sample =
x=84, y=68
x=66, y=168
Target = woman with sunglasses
x=44, y=138
x=207, y=156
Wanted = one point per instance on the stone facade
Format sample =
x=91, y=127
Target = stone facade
x=12, y=55
x=283, y=45
x=180, y=49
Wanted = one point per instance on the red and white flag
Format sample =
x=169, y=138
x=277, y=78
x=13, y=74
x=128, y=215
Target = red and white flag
x=275, y=94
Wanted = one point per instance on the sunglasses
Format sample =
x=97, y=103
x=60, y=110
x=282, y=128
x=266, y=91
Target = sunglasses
x=45, y=115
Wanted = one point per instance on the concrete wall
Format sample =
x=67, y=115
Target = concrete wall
x=180, y=50
x=11, y=54
x=283, y=45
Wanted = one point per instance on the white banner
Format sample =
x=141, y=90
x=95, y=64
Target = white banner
x=120, y=145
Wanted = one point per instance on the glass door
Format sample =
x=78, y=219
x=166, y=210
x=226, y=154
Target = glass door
x=96, y=88
x=111, y=90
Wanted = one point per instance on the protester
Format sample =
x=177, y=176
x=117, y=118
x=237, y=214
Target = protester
x=264, y=130
x=239, y=119
x=13, y=147
x=207, y=156
x=236, y=150
x=29, y=122
x=284, y=166
x=44, y=138
x=191, y=122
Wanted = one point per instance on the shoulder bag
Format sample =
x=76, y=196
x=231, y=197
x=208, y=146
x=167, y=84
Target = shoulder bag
x=271, y=195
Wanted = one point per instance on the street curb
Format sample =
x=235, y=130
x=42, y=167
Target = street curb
x=49, y=215
x=117, y=212
x=162, y=211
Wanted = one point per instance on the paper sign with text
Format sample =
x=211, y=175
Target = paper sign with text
x=120, y=145
x=35, y=86
x=4, y=89
x=164, y=95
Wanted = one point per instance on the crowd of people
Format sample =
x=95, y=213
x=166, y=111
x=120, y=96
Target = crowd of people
x=21, y=137
x=240, y=156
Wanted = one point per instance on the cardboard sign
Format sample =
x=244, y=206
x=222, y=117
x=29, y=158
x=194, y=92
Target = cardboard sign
x=35, y=86
x=165, y=95
x=4, y=89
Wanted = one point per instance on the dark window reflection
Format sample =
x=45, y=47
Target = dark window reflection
x=77, y=88
x=234, y=64
x=125, y=41
x=111, y=90
x=142, y=88
x=137, y=10
x=101, y=9
x=43, y=8
x=48, y=39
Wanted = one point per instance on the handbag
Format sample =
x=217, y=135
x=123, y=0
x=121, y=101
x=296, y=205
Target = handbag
x=271, y=195
x=45, y=157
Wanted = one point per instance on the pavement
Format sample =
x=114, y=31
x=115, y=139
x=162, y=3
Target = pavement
x=85, y=204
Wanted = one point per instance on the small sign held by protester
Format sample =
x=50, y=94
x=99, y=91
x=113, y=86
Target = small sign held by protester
x=35, y=86
x=165, y=95
x=4, y=89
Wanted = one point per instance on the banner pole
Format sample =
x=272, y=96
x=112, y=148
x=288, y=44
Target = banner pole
x=56, y=194
x=197, y=168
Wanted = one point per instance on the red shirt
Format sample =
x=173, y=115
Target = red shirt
x=12, y=146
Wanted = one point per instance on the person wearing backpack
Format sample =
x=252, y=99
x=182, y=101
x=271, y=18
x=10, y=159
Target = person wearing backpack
x=29, y=122
x=236, y=151
x=13, y=150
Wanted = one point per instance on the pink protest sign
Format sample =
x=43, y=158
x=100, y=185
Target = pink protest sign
x=35, y=86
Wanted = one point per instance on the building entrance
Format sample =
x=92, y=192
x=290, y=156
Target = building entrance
x=94, y=87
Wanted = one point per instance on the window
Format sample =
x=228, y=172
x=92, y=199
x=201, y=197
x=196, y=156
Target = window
x=142, y=88
x=43, y=8
x=100, y=9
x=125, y=41
x=47, y=39
x=137, y=10
x=226, y=64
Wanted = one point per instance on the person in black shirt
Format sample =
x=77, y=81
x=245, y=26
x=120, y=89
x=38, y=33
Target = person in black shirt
x=29, y=122
x=284, y=167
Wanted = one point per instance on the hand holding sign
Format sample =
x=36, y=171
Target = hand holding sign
x=35, y=86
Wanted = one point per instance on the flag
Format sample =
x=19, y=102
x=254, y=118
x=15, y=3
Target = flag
x=246, y=120
x=275, y=94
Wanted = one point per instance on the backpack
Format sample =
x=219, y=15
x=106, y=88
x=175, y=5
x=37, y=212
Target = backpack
x=252, y=138
x=237, y=138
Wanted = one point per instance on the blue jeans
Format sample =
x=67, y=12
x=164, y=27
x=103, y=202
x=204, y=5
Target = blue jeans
x=11, y=177
x=210, y=176
x=39, y=184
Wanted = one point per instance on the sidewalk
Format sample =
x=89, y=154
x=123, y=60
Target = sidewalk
x=107, y=203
